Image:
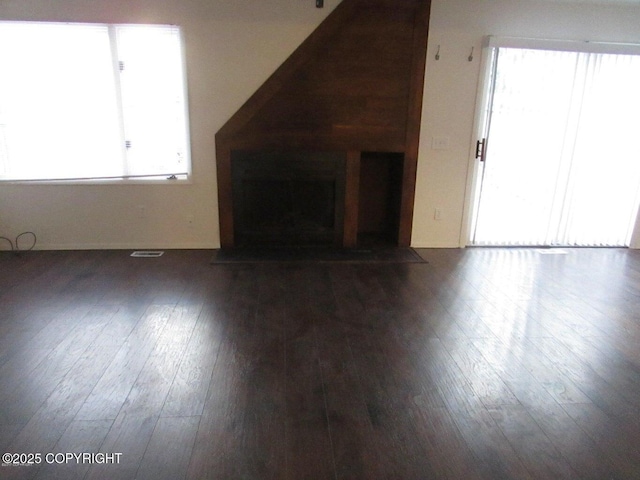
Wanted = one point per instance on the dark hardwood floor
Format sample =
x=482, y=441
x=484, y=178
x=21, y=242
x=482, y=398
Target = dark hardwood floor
x=481, y=364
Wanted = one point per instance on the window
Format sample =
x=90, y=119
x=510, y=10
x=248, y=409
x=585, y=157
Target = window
x=91, y=101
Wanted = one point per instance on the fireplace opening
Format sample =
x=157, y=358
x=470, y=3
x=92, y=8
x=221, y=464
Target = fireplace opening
x=288, y=198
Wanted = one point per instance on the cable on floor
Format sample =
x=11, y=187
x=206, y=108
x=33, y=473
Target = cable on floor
x=15, y=244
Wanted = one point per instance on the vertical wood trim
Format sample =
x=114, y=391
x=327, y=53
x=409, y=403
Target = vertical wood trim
x=351, y=199
x=414, y=115
x=225, y=199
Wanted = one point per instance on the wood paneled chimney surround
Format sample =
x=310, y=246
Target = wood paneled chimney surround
x=352, y=91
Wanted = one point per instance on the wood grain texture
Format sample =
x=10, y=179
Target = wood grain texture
x=470, y=366
x=355, y=69
x=351, y=200
x=355, y=84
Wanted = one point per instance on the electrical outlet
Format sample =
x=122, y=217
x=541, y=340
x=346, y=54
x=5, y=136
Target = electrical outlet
x=437, y=214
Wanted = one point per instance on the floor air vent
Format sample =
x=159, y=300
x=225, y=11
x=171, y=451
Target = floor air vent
x=147, y=254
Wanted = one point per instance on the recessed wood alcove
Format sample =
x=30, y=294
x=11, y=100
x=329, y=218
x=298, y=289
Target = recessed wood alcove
x=353, y=88
x=379, y=198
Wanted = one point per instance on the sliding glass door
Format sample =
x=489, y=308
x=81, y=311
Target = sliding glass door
x=560, y=163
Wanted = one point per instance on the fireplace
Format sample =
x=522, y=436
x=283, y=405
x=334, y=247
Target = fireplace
x=288, y=198
x=299, y=198
x=326, y=150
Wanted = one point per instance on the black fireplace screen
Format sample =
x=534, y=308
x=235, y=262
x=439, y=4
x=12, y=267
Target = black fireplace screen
x=288, y=198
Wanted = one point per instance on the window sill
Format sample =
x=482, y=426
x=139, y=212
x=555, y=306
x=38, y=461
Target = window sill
x=115, y=181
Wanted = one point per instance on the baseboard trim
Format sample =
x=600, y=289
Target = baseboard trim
x=127, y=246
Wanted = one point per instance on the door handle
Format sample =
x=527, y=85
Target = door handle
x=481, y=148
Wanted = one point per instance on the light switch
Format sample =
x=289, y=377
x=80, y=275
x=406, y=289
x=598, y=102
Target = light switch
x=440, y=142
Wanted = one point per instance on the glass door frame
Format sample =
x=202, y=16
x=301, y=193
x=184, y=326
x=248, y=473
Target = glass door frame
x=484, y=97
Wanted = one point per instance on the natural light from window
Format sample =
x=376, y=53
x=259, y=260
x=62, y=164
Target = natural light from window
x=85, y=101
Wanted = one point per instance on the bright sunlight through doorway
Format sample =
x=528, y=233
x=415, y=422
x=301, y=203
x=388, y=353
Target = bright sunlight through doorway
x=561, y=161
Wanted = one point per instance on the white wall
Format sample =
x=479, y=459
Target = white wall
x=451, y=85
x=232, y=46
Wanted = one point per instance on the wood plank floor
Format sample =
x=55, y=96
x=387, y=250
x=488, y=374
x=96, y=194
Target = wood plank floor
x=480, y=364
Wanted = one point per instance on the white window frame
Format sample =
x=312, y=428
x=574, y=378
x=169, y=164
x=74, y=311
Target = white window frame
x=182, y=177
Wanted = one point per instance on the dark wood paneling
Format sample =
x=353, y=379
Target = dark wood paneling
x=351, y=200
x=225, y=193
x=353, y=85
x=312, y=113
x=380, y=189
x=358, y=73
